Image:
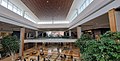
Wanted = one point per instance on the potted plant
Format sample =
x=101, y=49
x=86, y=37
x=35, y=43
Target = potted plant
x=105, y=49
x=10, y=45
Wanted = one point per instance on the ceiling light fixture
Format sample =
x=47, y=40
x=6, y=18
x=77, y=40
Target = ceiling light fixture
x=47, y=1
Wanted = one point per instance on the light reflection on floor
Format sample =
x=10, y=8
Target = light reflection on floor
x=53, y=53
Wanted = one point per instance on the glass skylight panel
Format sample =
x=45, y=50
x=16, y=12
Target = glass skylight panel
x=84, y=6
x=61, y=22
x=26, y=16
x=87, y=2
x=19, y=11
x=79, y=11
x=15, y=9
x=48, y=22
x=0, y=1
x=4, y=3
x=10, y=6
x=91, y=1
x=75, y=15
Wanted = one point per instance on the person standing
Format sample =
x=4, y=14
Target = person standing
x=24, y=59
x=38, y=57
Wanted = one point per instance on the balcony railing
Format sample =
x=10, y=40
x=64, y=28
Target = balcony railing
x=56, y=40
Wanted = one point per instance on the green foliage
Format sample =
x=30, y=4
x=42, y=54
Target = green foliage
x=10, y=44
x=105, y=49
x=82, y=41
x=112, y=35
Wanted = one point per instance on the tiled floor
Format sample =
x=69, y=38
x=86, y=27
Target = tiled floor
x=53, y=53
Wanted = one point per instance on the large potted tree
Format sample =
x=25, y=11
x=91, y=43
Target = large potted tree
x=107, y=48
x=10, y=45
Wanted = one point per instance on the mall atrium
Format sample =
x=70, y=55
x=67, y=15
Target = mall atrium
x=49, y=30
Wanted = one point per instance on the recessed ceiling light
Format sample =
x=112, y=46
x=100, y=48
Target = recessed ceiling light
x=47, y=1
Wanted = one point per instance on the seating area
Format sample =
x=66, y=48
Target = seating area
x=52, y=53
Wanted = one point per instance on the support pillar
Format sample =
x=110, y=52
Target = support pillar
x=27, y=35
x=69, y=33
x=36, y=35
x=79, y=32
x=118, y=20
x=42, y=34
x=112, y=20
x=65, y=33
x=22, y=35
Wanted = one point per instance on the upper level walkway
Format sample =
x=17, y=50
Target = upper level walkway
x=50, y=40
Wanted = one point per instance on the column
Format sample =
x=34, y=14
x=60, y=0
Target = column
x=112, y=20
x=66, y=33
x=69, y=33
x=22, y=34
x=42, y=34
x=36, y=34
x=27, y=35
x=79, y=32
x=118, y=20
